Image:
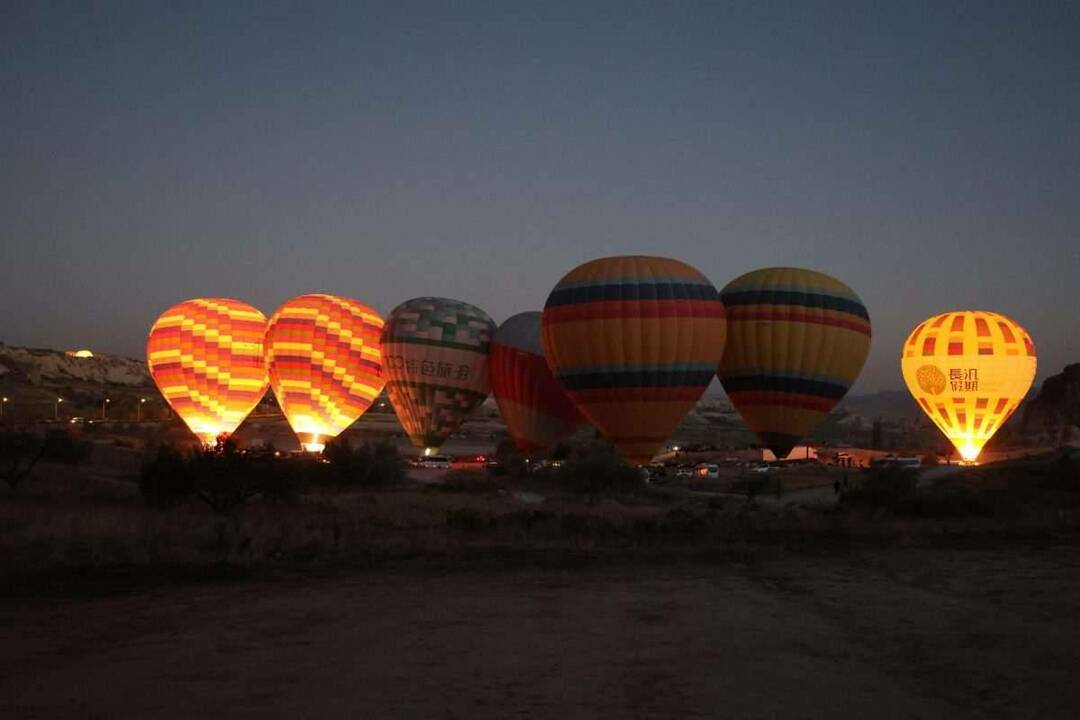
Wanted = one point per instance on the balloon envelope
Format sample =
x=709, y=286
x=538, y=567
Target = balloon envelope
x=324, y=358
x=635, y=341
x=436, y=358
x=968, y=370
x=206, y=357
x=537, y=411
x=797, y=340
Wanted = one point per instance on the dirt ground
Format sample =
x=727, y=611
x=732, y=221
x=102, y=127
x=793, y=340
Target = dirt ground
x=902, y=634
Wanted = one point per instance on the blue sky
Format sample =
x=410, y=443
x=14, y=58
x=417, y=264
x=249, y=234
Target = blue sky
x=925, y=153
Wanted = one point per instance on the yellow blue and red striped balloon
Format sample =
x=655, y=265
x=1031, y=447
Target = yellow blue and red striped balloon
x=635, y=341
x=206, y=357
x=324, y=356
x=797, y=340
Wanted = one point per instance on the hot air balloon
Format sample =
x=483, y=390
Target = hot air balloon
x=797, y=340
x=537, y=411
x=324, y=358
x=968, y=370
x=206, y=357
x=436, y=354
x=635, y=341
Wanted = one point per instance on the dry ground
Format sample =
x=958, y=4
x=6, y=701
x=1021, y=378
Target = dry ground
x=896, y=634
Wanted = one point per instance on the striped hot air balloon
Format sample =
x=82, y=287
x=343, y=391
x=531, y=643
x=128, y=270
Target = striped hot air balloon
x=436, y=355
x=635, y=342
x=206, y=357
x=969, y=370
x=537, y=411
x=324, y=357
x=797, y=340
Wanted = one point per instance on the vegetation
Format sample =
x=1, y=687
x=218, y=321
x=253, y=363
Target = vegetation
x=226, y=476
x=20, y=452
x=594, y=469
x=254, y=507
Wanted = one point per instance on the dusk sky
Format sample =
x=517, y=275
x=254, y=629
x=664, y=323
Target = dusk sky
x=926, y=154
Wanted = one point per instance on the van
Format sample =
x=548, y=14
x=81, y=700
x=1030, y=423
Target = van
x=441, y=462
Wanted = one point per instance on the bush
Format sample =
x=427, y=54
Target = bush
x=369, y=465
x=226, y=476
x=468, y=481
x=223, y=477
x=511, y=461
x=596, y=468
x=883, y=487
x=19, y=452
x=166, y=479
x=1062, y=474
x=949, y=500
x=61, y=446
x=754, y=485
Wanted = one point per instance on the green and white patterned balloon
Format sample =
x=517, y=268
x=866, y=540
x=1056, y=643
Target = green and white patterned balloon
x=435, y=354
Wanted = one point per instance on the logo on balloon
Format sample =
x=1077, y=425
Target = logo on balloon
x=931, y=379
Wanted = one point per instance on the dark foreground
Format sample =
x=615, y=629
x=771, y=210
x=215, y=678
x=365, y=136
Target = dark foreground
x=897, y=634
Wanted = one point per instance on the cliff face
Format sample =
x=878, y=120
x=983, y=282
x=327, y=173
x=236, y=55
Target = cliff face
x=53, y=368
x=1054, y=413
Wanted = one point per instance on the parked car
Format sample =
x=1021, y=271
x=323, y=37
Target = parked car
x=706, y=471
x=440, y=462
x=684, y=471
x=465, y=462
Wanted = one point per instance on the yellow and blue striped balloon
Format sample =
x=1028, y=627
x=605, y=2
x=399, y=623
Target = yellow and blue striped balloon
x=635, y=341
x=797, y=340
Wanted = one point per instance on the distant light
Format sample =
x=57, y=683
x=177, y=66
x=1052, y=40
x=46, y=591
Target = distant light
x=314, y=447
x=59, y=400
x=142, y=400
x=675, y=448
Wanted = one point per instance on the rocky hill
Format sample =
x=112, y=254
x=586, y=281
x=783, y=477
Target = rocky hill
x=49, y=368
x=1054, y=413
x=890, y=405
x=32, y=379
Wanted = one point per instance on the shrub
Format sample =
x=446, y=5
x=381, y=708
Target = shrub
x=947, y=500
x=369, y=465
x=468, y=481
x=754, y=485
x=166, y=479
x=19, y=452
x=596, y=468
x=511, y=461
x=227, y=476
x=61, y=446
x=223, y=477
x=883, y=487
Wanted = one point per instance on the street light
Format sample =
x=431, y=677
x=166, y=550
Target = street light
x=141, y=401
x=56, y=408
x=104, y=403
x=2, y=404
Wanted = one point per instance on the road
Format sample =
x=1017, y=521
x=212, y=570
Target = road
x=885, y=635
